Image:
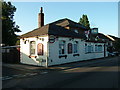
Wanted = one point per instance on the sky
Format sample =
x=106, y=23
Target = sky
x=103, y=15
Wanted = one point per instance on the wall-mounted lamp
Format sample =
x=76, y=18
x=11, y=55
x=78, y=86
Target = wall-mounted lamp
x=76, y=41
x=71, y=39
x=23, y=39
x=37, y=37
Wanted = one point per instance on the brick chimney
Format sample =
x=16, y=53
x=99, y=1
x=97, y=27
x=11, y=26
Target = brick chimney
x=41, y=18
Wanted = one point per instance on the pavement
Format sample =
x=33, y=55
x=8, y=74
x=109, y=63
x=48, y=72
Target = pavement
x=25, y=67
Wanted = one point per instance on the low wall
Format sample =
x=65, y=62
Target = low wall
x=10, y=55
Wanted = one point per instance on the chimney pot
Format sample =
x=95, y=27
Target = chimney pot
x=41, y=10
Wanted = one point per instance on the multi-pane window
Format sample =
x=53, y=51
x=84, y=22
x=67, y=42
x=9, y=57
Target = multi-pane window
x=32, y=47
x=40, y=49
x=62, y=47
x=92, y=48
x=89, y=48
x=100, y=48
x=96, y=48
x=75, y=47
x=69, y=48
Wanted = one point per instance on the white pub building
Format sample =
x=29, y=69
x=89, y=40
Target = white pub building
x=60, y=42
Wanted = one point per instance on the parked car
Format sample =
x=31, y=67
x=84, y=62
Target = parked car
x=111, y=54
x=116, y=53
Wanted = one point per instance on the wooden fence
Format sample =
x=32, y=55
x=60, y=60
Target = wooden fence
x=11, y=54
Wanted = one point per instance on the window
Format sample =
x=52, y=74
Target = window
x=62, y=47
x=96, y=48
x=75, y=47
x=92, y=48
x=40, y=49
x=100, y=48
x=69, y=48
x=32, y=47
x=89, y=49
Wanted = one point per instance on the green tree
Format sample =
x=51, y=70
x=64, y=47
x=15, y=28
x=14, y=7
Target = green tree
x=84, y=21
x=8, y=24
x=116, y=44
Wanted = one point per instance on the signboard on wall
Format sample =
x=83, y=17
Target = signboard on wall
x=52, y=39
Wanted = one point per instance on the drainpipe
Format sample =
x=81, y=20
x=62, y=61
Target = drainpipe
x=47, y=55
x=47, y=62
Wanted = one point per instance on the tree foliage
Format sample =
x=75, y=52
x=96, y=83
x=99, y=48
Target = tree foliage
x=8, y=24
x=117, y=45
x=84, y=21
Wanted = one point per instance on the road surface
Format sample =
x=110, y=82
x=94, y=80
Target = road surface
x=103, y=74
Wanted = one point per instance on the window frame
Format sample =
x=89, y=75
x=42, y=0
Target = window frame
x=70, y=48
x=96, y=48
x=89, y=48
x=62, y=47
x=75, y=47
x=31, y=45
x=100, y=48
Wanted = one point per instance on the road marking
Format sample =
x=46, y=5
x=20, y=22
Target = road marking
x=20, y=75
x=44, y=72
x=17, y=75
x=28, y=73
x=7, y=78
x=32, y=74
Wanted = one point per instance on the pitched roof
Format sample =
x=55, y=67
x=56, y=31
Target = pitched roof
x=52, y=29
x=56, y=28
x=100, y=36
x=114, y=37
x=36, y=32
x=67, y=22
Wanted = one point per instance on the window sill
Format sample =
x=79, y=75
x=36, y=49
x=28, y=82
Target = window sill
x=30, y=56
x=92, y=52
x=89, y=52
x=76, y=55
x=63, y=56
x=98, y=52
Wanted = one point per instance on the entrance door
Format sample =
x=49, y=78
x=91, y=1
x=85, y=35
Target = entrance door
x=41, y=56
x=40, y=49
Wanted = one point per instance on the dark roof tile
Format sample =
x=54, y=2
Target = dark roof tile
x=67, y=22
x=56, y=28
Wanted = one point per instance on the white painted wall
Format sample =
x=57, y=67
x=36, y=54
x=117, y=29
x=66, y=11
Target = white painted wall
x=54, y=52
x=51, y=52
x=25, y=51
